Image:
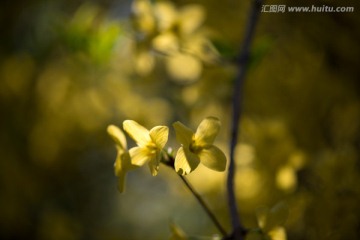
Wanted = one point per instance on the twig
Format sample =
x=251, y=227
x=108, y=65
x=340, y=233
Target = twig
x=204, y=205
x=168, y=160
x=242, y=61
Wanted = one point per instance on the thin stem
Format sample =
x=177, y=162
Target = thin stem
x=168, y=160
x=242, y=61
x=205, y=206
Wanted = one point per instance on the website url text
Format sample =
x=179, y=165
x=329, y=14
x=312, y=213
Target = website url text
x=305, y=9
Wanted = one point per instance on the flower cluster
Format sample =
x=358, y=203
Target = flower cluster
x=196, y=147
x=177, y=33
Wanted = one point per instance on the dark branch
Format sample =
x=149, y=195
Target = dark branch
x=242, y=63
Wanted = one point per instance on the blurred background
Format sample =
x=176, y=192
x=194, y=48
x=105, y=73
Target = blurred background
x=70, y=68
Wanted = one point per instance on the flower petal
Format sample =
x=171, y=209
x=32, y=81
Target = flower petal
x=159, y=136
x=118, y=136
x=191, y=17
x=154, y=163
x=184, y=68
x=184, y=134
x=277, y=216
x=262, y=214
x=117, y=165
x=123, y=163
x=166, y=14
x=207, y=131
x=185, y=161
x=269, y=219
x=139, y=155
x=213, y=158
x=177, y=233
x=122, y=166
x=137, y=132
x=121, y=182
x=277, y=233
x=166, y=42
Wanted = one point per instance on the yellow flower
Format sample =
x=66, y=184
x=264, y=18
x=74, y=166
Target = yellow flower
x=150, y=143
x=198, y=147
x=123, y=161
x=271, y=221
x=177, y=233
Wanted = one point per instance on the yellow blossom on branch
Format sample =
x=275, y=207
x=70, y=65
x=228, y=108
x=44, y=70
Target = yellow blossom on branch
x=198, y=147
x=271, y=221
x=123, y=162
x=150, y=143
